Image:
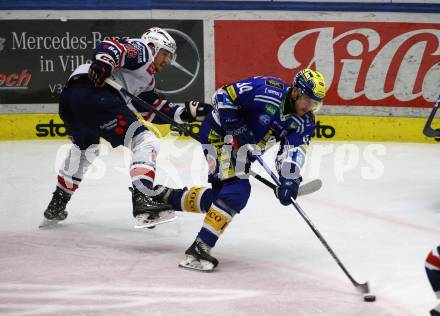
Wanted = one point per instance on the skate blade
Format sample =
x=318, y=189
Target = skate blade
x=192, y=263
x=152, y=223
x=48, y=223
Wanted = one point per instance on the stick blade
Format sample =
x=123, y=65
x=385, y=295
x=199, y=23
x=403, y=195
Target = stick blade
x=429, y=132
x=363, y=288
x=310, y=187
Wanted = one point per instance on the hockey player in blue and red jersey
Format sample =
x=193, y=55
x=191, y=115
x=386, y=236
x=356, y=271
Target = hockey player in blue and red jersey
x=248, y=117
x=432, y=266
x=91, y=109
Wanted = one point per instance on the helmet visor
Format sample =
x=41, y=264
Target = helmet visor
x=316, y=105
x=311, y=103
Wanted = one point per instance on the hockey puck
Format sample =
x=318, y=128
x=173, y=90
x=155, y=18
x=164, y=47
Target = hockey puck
x=369, y=298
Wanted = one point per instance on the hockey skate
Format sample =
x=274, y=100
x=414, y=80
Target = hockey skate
x=56, y=210
x=198, y=257
x=151, y=210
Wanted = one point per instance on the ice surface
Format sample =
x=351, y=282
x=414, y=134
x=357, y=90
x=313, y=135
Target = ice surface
x=271, y=263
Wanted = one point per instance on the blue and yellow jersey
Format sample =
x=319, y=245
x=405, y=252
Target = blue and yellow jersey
x=259, y=103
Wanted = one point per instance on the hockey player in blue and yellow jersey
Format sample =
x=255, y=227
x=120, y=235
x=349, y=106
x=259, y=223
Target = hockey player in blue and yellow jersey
x=249, y=116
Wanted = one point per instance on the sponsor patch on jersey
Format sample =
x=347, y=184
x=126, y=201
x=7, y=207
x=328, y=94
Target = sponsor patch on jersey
x=274, y=83
x=274, y=92
x=271, y=109
x=293, y=125
x=264, y=119
x=113, y=49
x=231, y=92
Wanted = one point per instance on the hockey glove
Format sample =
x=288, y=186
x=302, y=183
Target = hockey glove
x=243, y=141
x=100, y=69
x=241, y=135
x=195, y=111
x=288, y=190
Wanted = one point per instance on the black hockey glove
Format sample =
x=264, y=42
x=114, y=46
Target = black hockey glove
x=288, y=190
x=195, y=111
x=100, y=69
x=242, y=136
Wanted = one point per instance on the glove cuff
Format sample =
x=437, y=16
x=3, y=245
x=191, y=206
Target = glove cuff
x=195, y=111
x=105, y=58
x=289, y=182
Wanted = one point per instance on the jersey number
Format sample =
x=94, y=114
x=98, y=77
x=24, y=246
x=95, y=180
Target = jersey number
x=244, y=87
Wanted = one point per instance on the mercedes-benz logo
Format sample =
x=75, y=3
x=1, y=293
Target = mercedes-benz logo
x=184, y=70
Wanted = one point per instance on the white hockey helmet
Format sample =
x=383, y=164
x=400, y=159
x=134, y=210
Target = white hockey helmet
x=160, y=38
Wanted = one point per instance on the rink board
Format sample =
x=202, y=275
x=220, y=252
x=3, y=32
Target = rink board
x=46, y=127
x=340, y=128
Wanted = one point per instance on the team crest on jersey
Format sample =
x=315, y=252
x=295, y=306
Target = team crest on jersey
x=231, y=92
x=132, y=51
x=136, y=49
x=275, y=84
x=264, y=119
x=271, y=109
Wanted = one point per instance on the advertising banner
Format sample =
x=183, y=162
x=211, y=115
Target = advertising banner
x=328, y=128
x=49, y=126
x=38, y=56
x=387, y=64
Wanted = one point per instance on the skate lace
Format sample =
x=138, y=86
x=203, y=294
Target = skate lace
x=57, y=205
x=166, y=194
x=59, y=201
x=203, y=247
x=201, y=251
x=148, y=200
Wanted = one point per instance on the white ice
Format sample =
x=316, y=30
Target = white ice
x=379, y=210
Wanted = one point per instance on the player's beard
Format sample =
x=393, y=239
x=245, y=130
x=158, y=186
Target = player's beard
x=289, y=104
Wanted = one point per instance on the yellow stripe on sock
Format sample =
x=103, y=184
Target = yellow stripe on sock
x=191, y=199
x=216, y=220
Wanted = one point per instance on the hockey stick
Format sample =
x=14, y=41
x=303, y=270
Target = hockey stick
x=304, y=189
x=428, y=130
x=178, y=126
x=361, y=287
x=309, y=187
x=151, y=108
